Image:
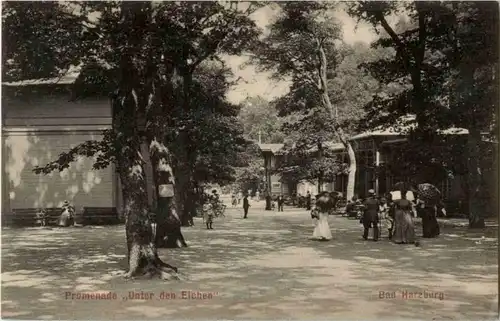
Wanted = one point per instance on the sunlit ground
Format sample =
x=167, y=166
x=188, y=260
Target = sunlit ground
x=264, y=267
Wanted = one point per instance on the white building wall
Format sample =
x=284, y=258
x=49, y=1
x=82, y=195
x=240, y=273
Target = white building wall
x=35, y=131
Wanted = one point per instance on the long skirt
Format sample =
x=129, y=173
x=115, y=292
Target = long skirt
x=208, y=217
x=66, y=219
x=404, y=227
x=322, y=229
x=430, y=225
x=387, y=222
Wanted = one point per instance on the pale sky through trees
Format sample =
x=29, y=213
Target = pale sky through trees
x=253, y=83
x=259, y=84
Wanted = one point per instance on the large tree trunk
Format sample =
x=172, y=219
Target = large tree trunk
x=189, y=203
x=160, y=115
x=192, y=210
x=169, y=234
x=476, y=217
x=351, y=179
x=184, y=187
x=142, y=253
x=323, y=87
x=168, y=221
x=141, y=250
x=129, y=109
x=320, y=175
x=188, y=155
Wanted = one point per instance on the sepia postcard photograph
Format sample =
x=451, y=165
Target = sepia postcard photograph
x=249, y=160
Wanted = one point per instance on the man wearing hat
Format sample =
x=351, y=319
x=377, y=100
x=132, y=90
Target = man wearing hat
x=370, y=215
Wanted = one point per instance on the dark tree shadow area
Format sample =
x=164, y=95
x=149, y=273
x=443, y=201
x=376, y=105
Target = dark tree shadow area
x=263, y=267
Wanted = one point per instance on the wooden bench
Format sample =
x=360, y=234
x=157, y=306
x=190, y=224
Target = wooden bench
x=22, y=217
x=52, y=215
x=100, y=216
x=25, y=217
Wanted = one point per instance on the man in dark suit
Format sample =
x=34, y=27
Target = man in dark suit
x=280, y=201
x=370, y=215
x=246, y=205
x=308, y=201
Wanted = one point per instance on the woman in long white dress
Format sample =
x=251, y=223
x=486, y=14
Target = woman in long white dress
x=322, y=230
x=67, y=217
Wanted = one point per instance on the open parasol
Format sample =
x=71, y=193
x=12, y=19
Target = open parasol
x=429, y=193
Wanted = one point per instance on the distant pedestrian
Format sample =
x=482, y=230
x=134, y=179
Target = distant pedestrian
x=234, y=201
x=209, y=209
x=308, y=201
x=257, y=196
x=246, y=206
x=208, y=217
x=240, y=196
x=280, y=202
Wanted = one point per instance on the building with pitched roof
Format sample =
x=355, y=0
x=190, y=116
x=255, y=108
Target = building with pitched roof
x=40, y=120
x=373, y=149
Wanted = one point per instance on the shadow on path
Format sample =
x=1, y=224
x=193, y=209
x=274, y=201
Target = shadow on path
x=257, y=268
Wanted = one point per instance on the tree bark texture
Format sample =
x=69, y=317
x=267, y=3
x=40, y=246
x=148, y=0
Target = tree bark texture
x=476, y=217
x=129, y=107
x=168, y=222
x=320, y=174
x=323, y=86
x=183, y=184
x=186, y=152
x=142, y=253
x=163, y=104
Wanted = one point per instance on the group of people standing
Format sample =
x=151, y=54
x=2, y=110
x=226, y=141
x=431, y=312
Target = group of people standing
x=396, y=211
x=236, y=198
x=279, y=200
x=303, y=201
x=397, y=214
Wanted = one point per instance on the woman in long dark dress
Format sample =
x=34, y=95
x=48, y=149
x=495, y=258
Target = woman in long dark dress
x=404, y=228
x=430, y=226
x=427, y=205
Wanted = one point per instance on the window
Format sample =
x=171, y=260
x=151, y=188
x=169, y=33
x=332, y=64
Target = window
x=369, y=159
x=366, y=145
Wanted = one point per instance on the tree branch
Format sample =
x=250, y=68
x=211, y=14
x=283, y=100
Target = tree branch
x=212, y=50
x=326, y=98
x=400, y=47
x=103, y=149
x=422, y=35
